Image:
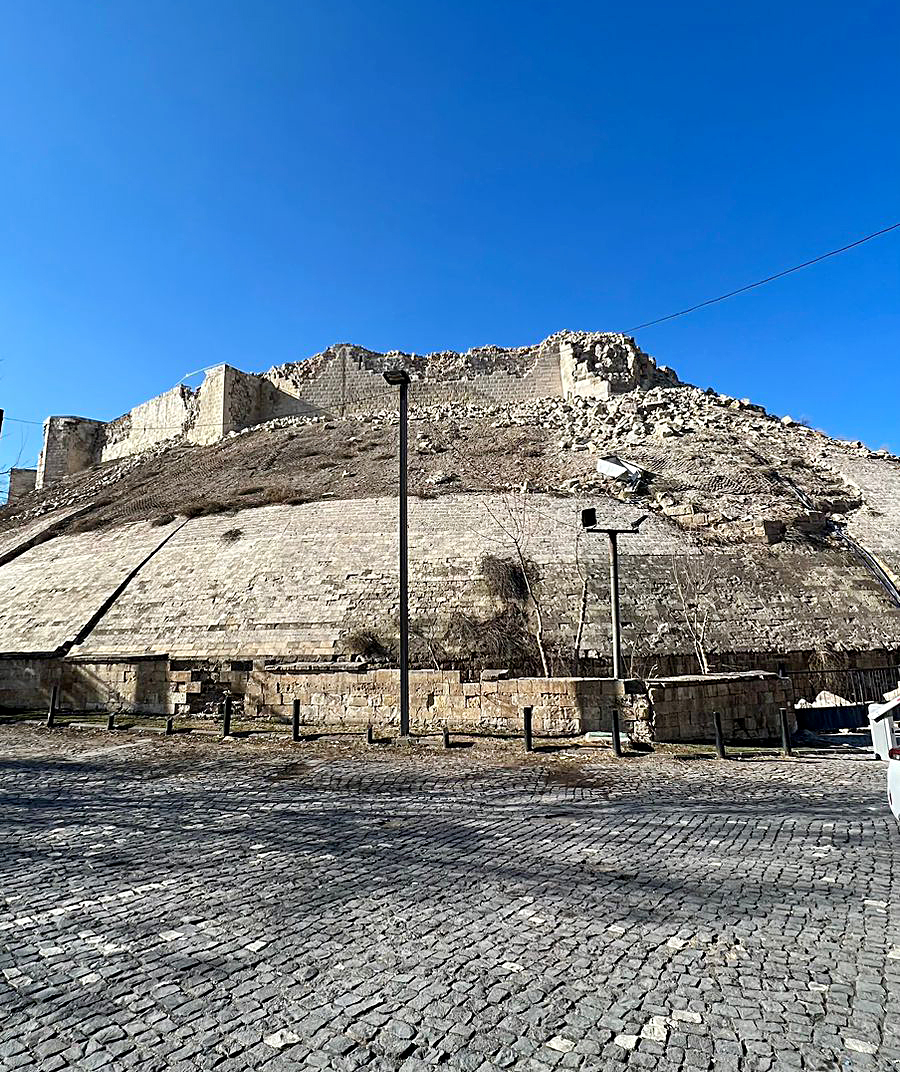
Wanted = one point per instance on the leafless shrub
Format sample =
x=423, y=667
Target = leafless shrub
x=232, y=535
x=368, y=644
x=695, y=584
x=513, y=518
x=502, y=640
x=505, y=578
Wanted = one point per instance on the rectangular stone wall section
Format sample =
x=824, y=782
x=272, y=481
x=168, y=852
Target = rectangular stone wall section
x=749, y=703
x=70, y=445
x=21, y=483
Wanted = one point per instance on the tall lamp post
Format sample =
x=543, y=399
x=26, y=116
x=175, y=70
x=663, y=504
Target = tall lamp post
x=589, y=524
x=398, y=377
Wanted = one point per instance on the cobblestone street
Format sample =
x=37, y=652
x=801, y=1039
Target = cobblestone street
x=175, y=904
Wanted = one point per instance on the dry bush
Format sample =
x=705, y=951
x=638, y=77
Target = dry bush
x=207, y=508
x=505, y=578
x=504, y=640
x=91, y=523
x=232, y=535
x=163, y=519
x=284, y=497
x=368, y=644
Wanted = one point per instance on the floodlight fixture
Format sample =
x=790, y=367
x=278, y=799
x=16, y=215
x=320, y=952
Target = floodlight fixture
x=396, y=377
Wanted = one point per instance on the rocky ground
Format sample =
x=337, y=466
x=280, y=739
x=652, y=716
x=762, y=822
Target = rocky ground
x=720, y=467
x=169, y=904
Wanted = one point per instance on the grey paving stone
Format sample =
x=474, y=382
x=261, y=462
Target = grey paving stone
x=416, y=912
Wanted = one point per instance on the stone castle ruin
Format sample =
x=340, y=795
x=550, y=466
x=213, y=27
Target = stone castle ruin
x=344, y=380
x=240, y=538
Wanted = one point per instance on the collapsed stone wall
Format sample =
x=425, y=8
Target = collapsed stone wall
x=346, y=379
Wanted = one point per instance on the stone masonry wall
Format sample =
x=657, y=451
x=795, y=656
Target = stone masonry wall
x=672, y=709
x=748, y=703
x=21, y=483
x=299, y=579
x=70, y=445
x=160, y=419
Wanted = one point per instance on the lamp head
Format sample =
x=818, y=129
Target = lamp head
x=396, y=376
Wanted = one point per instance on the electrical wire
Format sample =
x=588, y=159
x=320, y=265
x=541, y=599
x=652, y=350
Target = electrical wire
x=762, y=282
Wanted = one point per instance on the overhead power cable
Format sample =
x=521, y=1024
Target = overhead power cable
x=762, y=282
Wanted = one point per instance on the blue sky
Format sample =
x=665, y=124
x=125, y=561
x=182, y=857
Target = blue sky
x=188, y=183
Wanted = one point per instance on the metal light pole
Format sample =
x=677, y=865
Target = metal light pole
x=400, y=378
x=589, y=523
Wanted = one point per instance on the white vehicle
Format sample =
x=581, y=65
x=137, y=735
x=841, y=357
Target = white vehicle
x=884, y=746
x=893, y=782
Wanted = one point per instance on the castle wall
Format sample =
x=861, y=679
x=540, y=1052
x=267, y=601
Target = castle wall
x=348, y=380
x=749, y=704
x=346, y=385
x=299, y=579
x=70, y=445
x=21, y=483
x=160, y=419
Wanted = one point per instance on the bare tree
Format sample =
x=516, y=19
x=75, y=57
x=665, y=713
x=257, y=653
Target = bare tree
x=695, y=584
x=512, y=517
x=582, y=569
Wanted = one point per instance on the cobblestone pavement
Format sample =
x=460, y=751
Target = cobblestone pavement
x=170, y=904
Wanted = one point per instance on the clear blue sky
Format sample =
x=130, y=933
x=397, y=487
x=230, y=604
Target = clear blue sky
x=185, y=183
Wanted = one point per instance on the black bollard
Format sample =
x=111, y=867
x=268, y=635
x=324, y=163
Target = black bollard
x=526, y=719
x=295, y=721
x=111, y=720
x=51, y=710
x=226, y=717
x=170, y=726
x=370, y=734
x=446, y=735
x=616, y=735
x=785, y=732
x=720, y=739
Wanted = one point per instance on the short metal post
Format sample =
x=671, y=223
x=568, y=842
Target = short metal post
x=720, y=739
x=370, y=734
x=111, y=720
x=226, y=717
x=616, y=735
x=446, y=735
x=785, y=732
x=295, y=721
x=170, y=726
x=526, y=720
x=54, y=704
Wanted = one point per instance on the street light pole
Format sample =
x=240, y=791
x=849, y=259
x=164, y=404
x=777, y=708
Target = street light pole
x=400, y=378
x=614, y=603
x=589, y=523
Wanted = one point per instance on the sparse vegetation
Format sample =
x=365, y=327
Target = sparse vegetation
x=232, y=535
x=505, y=578
x=367, y=644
